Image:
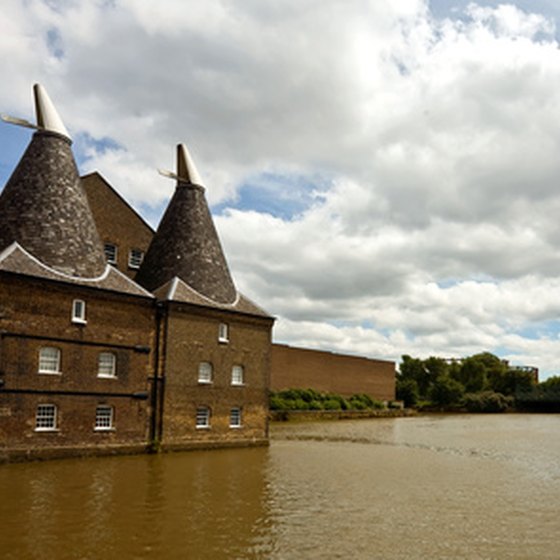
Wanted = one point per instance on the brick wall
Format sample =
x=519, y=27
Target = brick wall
x=117, y=223
x=300, y=368
x=36, y=313
x=192, y=338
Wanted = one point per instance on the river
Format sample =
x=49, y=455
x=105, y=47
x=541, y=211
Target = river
x=429, y=487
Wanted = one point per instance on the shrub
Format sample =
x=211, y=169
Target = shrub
x=331, y=404
x=487, y=401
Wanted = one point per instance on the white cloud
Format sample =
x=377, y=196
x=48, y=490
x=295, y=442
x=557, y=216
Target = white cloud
x=433, y=143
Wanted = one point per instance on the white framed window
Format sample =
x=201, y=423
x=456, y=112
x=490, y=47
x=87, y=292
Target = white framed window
x=103, y=417
x=235, y=417
x=107, y=365
x=45, y=418
x=202, y=417
x=223, y=332
x=49, y=360
x=79, y=311
x=135, y=258
x=205, y=372
x=111, y=252
x=237, y=375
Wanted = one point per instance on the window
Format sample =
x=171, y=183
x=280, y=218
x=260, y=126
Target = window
x=111, y=253
x=78, y=311
x=49, y=360
x=202, y=417
x=45, y=419
x=135, y=257
x=205, y=372
x=223, y=332
x=103, y=417
x=235, y=418
x=106, y=365
x=237, y=375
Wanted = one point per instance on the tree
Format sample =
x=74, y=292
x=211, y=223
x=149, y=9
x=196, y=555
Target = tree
x=446, y=391
x=515, y=380
x=472, y=374
x=407, y=391
x=413, y=368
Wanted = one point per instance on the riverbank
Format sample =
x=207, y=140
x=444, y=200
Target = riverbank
x=315, y=415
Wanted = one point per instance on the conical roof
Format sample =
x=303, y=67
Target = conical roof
x=186, y=244
x=43, y=206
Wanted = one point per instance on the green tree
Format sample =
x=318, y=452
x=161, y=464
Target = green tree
x=413, y=368
x=407, y=391
x=446, y=391
x=472, y=374
x=515, y=380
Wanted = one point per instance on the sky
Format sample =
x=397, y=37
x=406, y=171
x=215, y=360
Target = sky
x=384, y=176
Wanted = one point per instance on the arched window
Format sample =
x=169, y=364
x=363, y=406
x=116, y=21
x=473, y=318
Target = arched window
x=107, y=365
x=49, y=360
x=205, y=371
x=237, y=374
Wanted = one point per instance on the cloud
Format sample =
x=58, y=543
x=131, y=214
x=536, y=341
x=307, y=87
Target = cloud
x=385, y=181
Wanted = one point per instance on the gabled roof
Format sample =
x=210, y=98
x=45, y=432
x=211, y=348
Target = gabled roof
x=43, y=206
x=186, y=244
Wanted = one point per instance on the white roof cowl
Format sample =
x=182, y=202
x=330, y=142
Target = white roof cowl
x=47, y=116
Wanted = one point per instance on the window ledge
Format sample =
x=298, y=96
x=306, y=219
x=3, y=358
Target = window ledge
x=104, y=429
x=203, y=427
x=236, y=427
x=238, y=384
x=103, y=376
x=41, y=372
x=79, y=321
x=204, y=382
x=47, y=430
x=223, y=340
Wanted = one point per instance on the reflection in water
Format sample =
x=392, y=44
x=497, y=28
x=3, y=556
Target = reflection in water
x=428, y=487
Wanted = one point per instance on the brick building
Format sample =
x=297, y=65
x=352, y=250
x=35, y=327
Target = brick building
x=214, y=343
x=93, y=361
x=124, y=234
x=76, y=335
x=117, y=339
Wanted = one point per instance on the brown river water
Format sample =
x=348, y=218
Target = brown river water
x=430, y=487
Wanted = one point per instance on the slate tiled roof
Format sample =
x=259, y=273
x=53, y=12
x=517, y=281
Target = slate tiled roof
x=45, y=210
x=178, y=291
x=186, y=245
x=17, y=260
